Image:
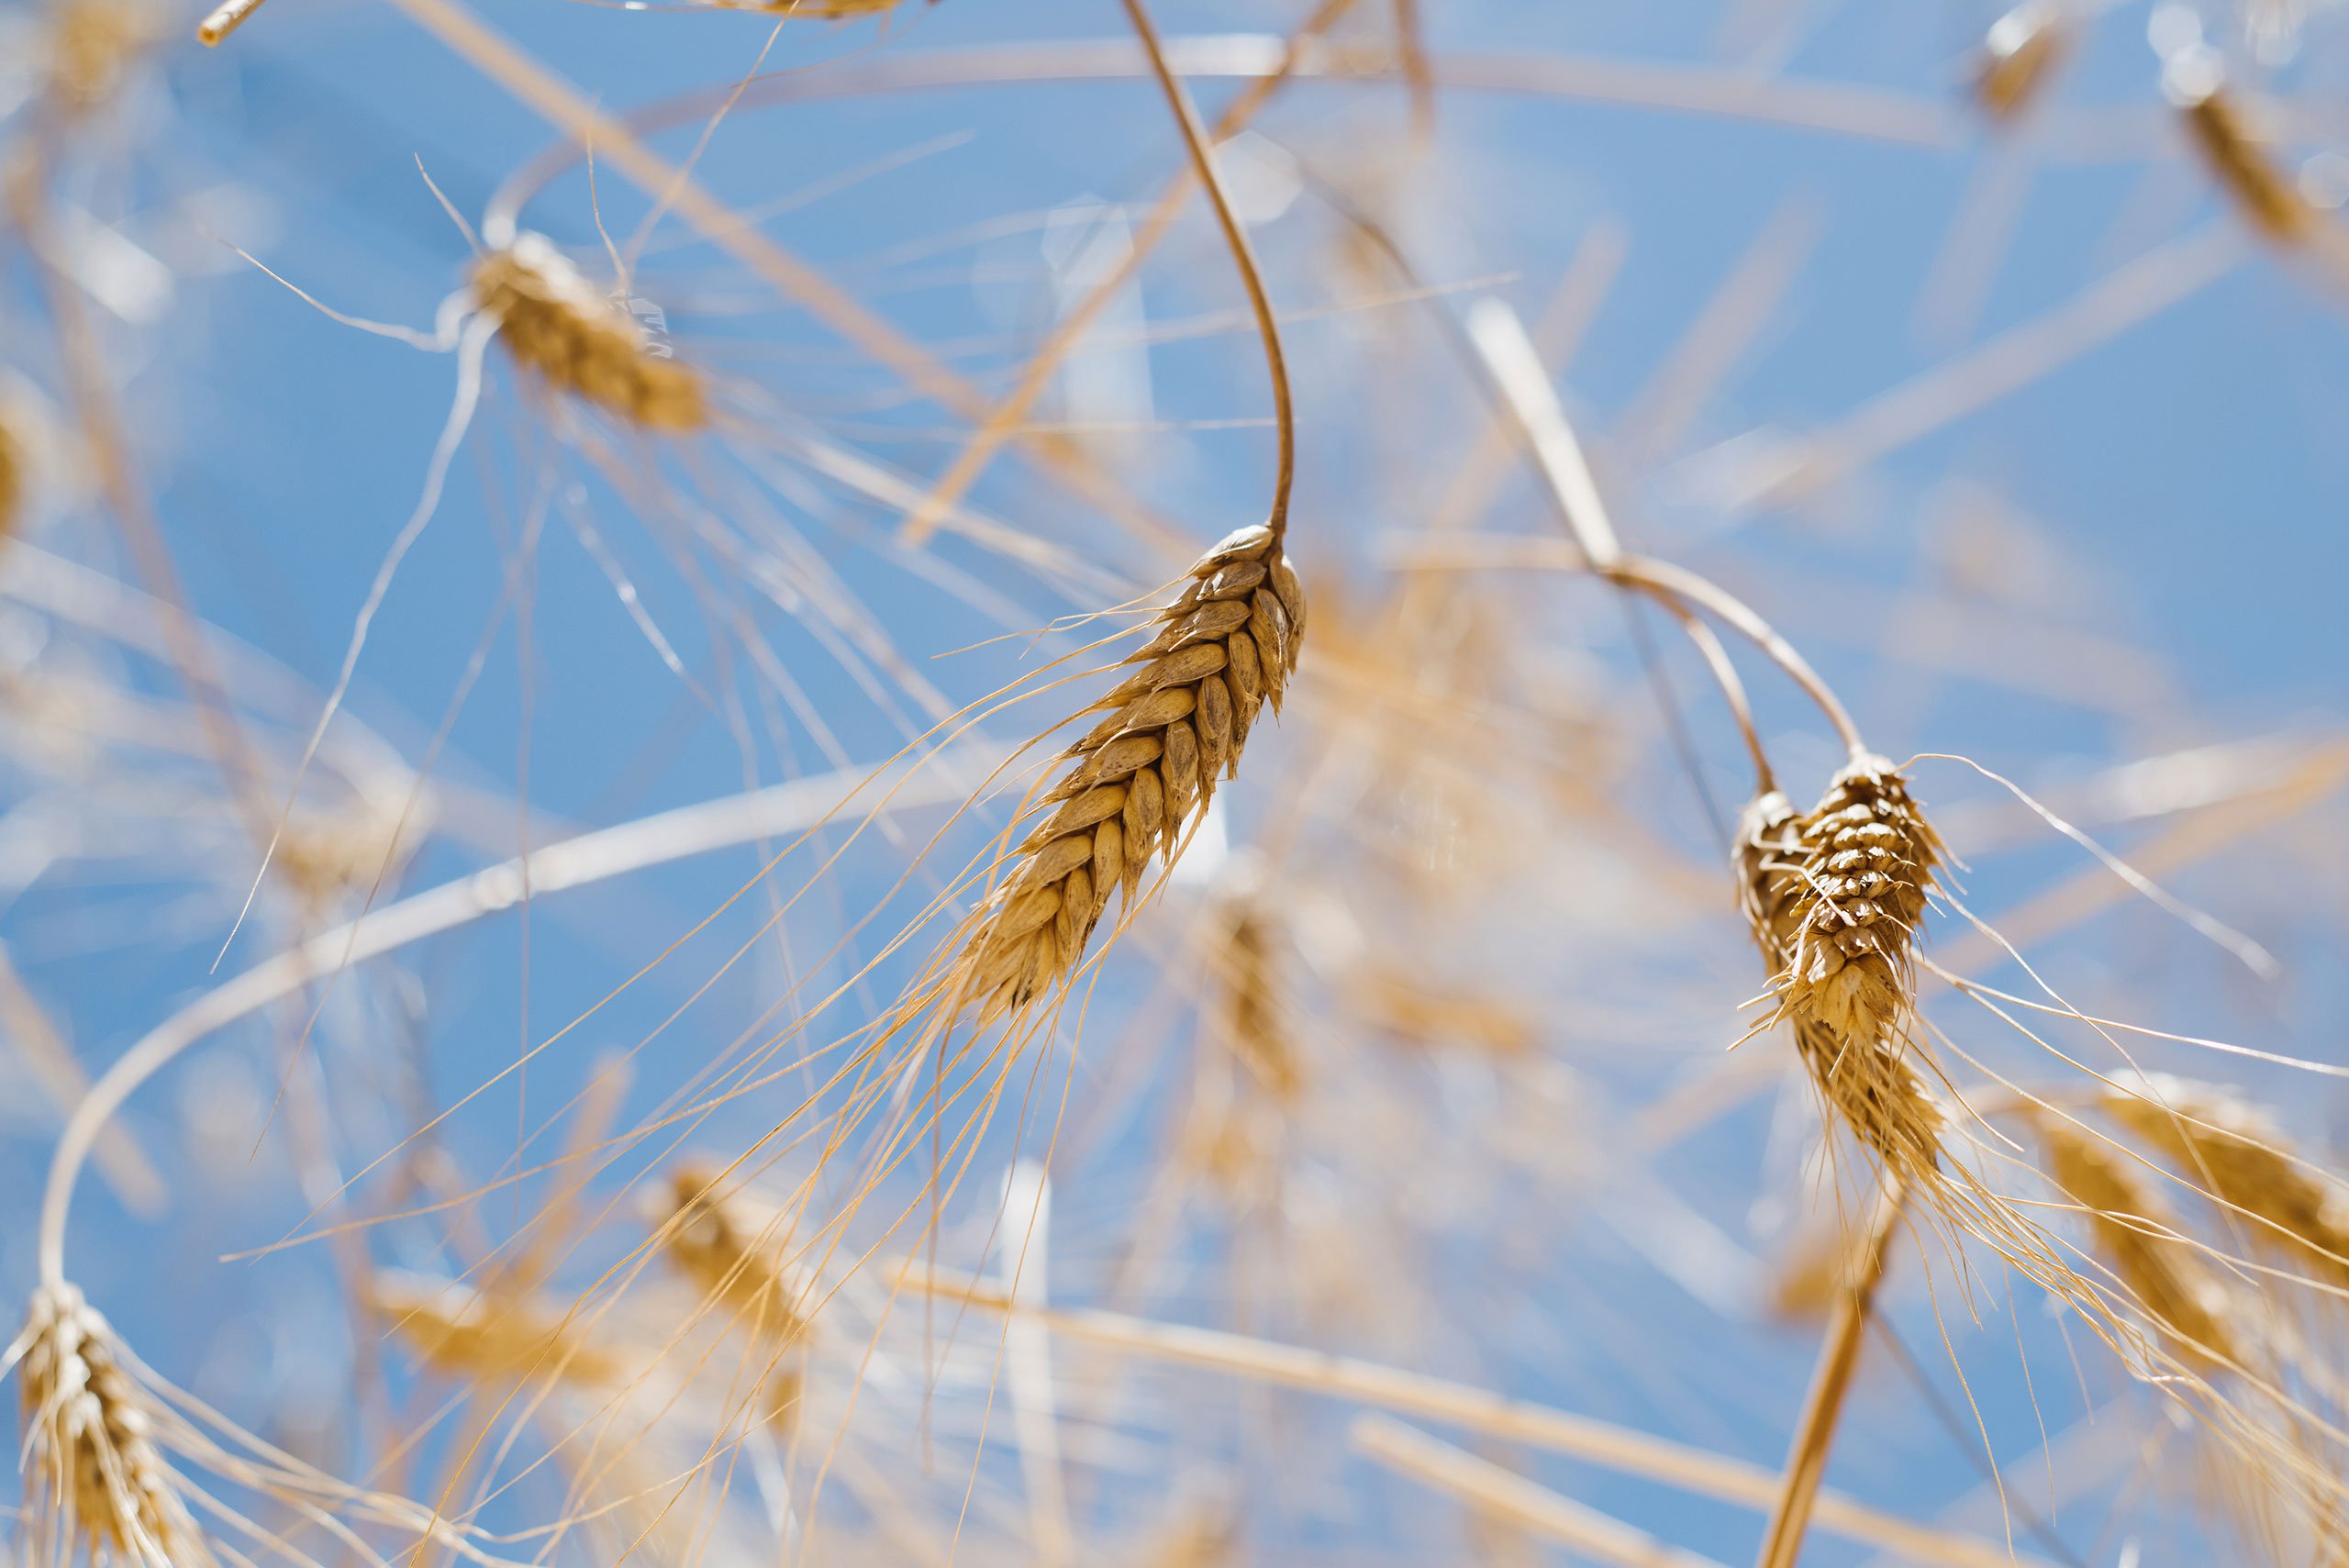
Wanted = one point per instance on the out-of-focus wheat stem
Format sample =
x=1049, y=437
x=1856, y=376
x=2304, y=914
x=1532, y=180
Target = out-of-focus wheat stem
x=1434, y=1398
x=1487, y=1488
x=1838, y=1356
x=571, y=863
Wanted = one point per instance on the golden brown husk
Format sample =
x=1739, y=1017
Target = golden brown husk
x=2238, y=1155
x=555, y=323
x=1227, y=644
x=1833, y=900
x=92, y=1464
x=1249, y=1017
x=2136, y=1238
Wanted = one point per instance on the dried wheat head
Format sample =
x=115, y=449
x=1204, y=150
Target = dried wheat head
x=1818, y=893
x=1226, y=645
x=1250, y=1016
x=95, y=1480
x=735, y=1250
x=92, y=47
x=556, y=322
x=1866, y=865
x=2137, y=1239
x=2019, y=56
x=2238, y=1155
x=480, y=1335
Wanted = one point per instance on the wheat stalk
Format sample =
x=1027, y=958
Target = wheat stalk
x=1226, y=645
x=556, y=322
x=2223, y=130
x=2237, y=1153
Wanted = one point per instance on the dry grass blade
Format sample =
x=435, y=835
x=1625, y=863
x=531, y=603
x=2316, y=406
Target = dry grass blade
x=2137, y=1239
x=555, y=323
x=2240, y=1158
x=95, y=1479
x=1227, y=644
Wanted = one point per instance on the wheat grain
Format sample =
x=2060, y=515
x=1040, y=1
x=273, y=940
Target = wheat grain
x=2137, y=1239
x=1227, y=644
x=2244, y=1161
x=555, y=323
x=98, y=1482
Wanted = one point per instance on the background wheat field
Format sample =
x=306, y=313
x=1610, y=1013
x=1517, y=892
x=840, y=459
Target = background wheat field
x=1179, y=783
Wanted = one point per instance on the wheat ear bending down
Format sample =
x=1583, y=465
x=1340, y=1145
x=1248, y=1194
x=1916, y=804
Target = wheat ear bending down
x=1226, y=643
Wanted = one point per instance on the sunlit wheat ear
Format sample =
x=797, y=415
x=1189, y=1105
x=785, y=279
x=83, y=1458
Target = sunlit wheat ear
x=1227, y=644
x=474, y=1335
x=556, y=322
x=2236, y=1154
x=1249, y=1005
x=2135, y=1235
x=2020, y=56
x=92, y=45
x=95, y=1478
x=1805, y=884
x=735, y=1250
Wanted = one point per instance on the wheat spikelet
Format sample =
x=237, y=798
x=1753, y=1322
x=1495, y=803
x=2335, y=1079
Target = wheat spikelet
x=1249, y=1017
x=736, y=1251
x=1833, y=900
x=476, y=1335
x=96, y=1476
x=2019, y=56
x=1227, y=644
x=2244, y=1159
x=555, y=323
x=2137, y=1239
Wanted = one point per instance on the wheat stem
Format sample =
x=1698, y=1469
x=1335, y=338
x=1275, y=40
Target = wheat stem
x=1505, y=1494
x=571, y=863
x=1561, y=1431
x=1839, y=1355
x=1244, y=257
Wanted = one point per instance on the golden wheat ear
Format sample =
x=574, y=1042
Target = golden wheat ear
x=1833, y=899
x=2235, y=1152
x=557, y=325
x=1227, y=644
x=96, y=1482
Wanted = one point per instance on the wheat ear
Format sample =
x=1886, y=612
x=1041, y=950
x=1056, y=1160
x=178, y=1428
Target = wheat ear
x=2136, y=1237
x=736, y=1251
x=1818, y=893
x=96, y=1479
x=556, y=324
x=475, y=1335
x=1226, y=645
x=12, y=481
x=2237, y=1153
